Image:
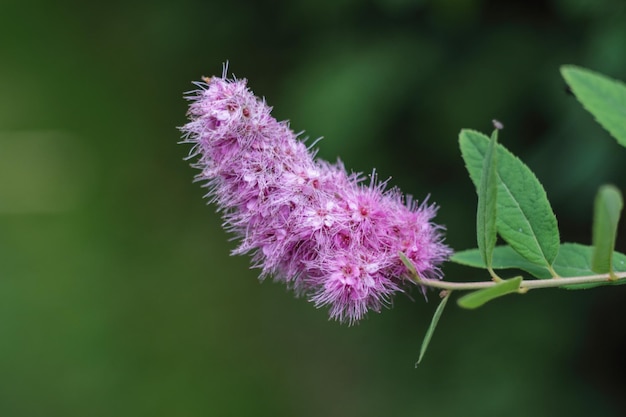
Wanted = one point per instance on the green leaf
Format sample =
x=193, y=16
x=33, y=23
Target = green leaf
x=409, y=265
x=504, y=257
x=433, y=325
x=486, y=213
x=573, y=260
x=607, y=209
x=480, y=297
x=525, y=219
x=601, y=96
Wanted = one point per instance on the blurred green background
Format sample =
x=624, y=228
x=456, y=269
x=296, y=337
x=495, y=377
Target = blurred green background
x=117, y=293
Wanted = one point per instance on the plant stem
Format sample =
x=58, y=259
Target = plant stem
x=527, y=284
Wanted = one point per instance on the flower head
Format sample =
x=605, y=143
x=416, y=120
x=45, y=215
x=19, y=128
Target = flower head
x=306, y=222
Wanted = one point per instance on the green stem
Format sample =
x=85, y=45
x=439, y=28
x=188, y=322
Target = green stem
x=526, y=284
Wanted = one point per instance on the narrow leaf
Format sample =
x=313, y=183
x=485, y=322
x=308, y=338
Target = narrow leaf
x=525, y=219
x=607, y=209
x=573, y=260
x=486, y=213
x=433, y=325
x=480, y=297
x=601, y=96
x=409, y=265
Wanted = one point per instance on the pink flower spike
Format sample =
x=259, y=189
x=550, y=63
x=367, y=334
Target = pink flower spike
x=306, y=222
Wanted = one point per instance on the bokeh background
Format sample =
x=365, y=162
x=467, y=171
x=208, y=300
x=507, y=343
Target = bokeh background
x=117, y=292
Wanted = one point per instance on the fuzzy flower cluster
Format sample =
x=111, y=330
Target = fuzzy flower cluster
x=306, y=222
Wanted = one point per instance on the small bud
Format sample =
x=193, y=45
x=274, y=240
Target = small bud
x=497, y=125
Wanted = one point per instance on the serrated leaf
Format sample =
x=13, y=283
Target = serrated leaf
x=478, y=298
x=603, y=97
x=433, y=325
x=607, y=208
x=573, y=260
x=525, y=219
x=486, y=213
